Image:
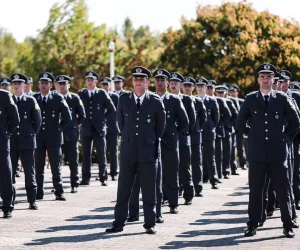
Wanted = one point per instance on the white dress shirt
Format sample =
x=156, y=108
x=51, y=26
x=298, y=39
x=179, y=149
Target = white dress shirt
x=141, y=98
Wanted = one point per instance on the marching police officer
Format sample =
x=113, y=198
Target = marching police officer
x=71, y=131
x=55, y=116
x=98, y=106
x=185, y=175
x=263, y=116
x=9, y=121
x=223, y=126
x=196, y=138
x=119, y=83
x=141, y=119
x=209, y=132
x=23, y=139
x=112, y=136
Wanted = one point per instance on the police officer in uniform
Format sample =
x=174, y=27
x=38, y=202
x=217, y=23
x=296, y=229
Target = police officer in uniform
x=55, y=116
x=98, y=106
x=28, y=87
x=196, y=138
x=23, y=139
x=185, y=175
x=119, y=83
x=5, y=84
x=141, y=119
x=9, y=121
x=71, y=132
x=112, y=136
x=223, y=126
x=267, y=112
x=209, y=132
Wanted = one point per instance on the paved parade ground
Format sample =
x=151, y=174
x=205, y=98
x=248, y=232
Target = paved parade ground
x=216, y=221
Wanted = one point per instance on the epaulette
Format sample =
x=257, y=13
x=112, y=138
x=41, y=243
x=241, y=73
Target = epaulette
x=84, y=90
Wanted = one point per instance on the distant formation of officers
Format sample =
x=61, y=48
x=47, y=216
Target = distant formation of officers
x=170, y=141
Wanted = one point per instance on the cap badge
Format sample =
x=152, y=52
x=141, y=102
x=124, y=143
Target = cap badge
x=283, y=73
x=91, y=74
x=138, y=70
x=187, y=79
x=174, y=75
x=159, y=72
x=5, y=80
x=16, y=76
x=45, y=75
x=61, y=78
x=200, y=80
x=267, y=67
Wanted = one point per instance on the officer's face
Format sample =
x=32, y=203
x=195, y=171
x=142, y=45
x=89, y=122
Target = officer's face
x=6, y=87
x=105, y=86
x=28, y=87
x=187, y=89
x=161, y=84
x=118, y=86
x=233, y=93
x=201, y=89
x=140, y=83
x=220, y=94
x=45, y=86
x=210, y=91
x=265, y=81
x=91, y=83
x=175, y=87
x=275, y=86
x=18, y=87
x=57, y=86
x=64, y=87
x=284, y=85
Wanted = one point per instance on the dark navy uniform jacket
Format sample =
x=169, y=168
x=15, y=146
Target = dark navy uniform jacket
x=55, y=117
x=141, y=129
x=234, y=114
x=97, y=110
x=9, y=118
x=185, y=135
x=176, y=120
x=201, y=118
x=269, y=130
x=71, y=131
x=24, y=137
x=225, y=118
x=111, y=121
x=213, y=117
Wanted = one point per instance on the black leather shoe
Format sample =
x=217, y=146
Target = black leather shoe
x=113, y=178
x=295, y=224
x=165, y=202
x=180, y=193
x=7, y=215
x=74, y=190
x=173, y=210
x=235, y=173
x=104, y=183
x=133, y=218
x=160, y=220
x=270, y=213
x=205, y=181
x=288, y=232
x=60, y=197
x=214, y=186
x=244, y=167
x=226, y=176
x=261, y=224
x=114, y=229
x=52, y=191
x=18, y=174
x=39, y=196
x=33, y=206
x=188, y=202
x=198, y=194
x=251, y=231
x=151, y=230
x=84, y=183
x=219, y=182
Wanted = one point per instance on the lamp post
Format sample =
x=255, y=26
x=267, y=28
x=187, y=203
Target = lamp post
x=111, y=47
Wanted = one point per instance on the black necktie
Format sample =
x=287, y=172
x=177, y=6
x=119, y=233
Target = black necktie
x=138, y=104
x=18, y=101
x=44, y=101
x=266, y=100
x=91, y=97
x=65, y=97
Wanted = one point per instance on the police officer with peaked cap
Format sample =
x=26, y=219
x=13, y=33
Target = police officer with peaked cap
x=142, y=119
x=119, y=82
x=185, y=175
x=222, y=130
x=98, y=106
x=112, y=136
x=267, y=112
x=71, y=131
x=23, y=139
x=55, y=117
x=28, y=87
x=5, y=83
x=196, y=138
x=9, y=121
x=209, y=133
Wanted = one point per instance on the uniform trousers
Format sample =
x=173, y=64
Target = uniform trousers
x=112, y=150
x=197, y=167
x=209, y=161
x=71, y=152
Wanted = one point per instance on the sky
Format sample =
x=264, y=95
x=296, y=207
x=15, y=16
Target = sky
x=24, y=18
